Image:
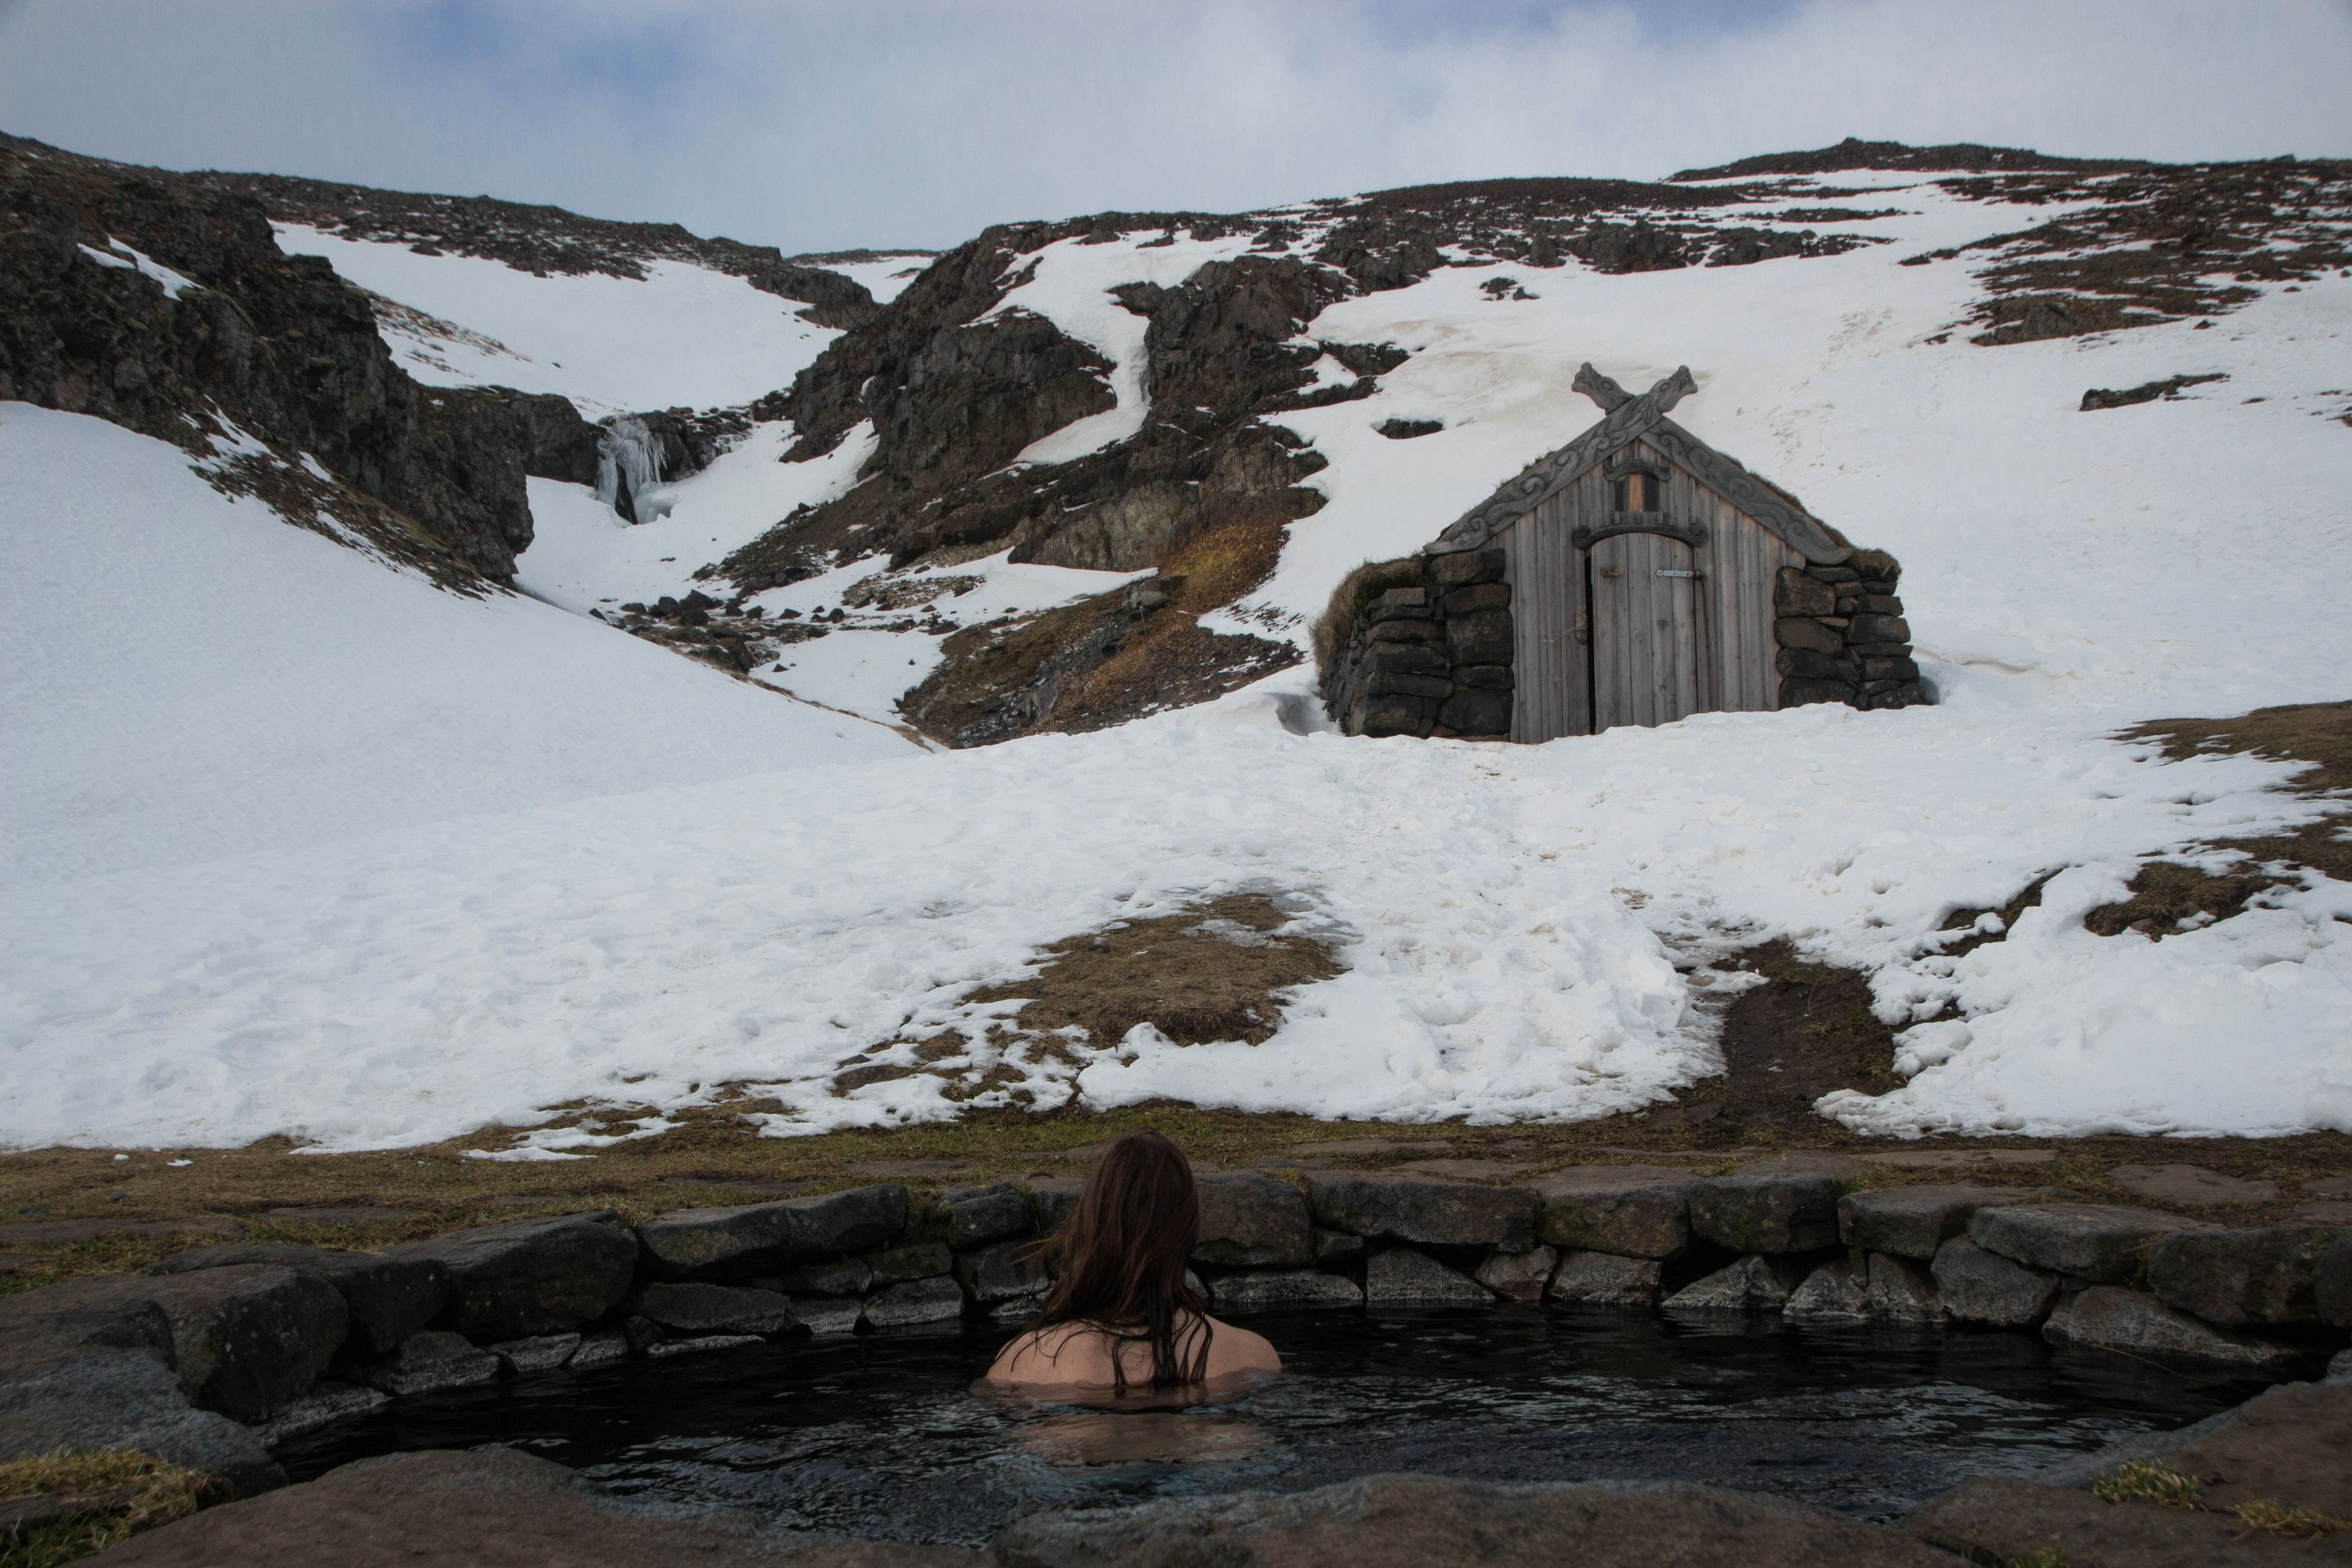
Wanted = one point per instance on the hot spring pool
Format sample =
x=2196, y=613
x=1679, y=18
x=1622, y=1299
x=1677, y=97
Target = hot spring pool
x=879, y=1435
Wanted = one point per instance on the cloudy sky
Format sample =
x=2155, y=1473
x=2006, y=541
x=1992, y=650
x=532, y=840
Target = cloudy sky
x=822, y=125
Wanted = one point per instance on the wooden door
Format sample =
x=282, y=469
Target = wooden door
x=1550, y=680
x=1650, y=649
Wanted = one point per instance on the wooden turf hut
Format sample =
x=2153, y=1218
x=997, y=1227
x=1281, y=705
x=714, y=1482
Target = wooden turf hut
x=1633, y=576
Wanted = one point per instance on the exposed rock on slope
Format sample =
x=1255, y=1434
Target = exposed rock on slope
x=143, y=299
x=542, y=239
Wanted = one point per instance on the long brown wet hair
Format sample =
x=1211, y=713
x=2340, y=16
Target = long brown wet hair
x=1120, y=1262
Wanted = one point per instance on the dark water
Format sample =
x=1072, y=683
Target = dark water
x=881, y=1436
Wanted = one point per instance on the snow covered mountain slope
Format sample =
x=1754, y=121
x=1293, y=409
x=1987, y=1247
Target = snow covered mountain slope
x=257, y=686
x=1510, y=919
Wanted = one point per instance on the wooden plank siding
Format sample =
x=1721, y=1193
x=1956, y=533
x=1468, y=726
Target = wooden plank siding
x=1600, y=638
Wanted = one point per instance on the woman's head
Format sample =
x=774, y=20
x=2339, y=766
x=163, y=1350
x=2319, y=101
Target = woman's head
x=1119, y=1261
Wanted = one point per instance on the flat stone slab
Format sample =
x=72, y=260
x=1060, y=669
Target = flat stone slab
x=2134, y=1321
x=1959, y=1159
x=320, y=1409
x=432, y=1361
x=1605, y=1280
x=528, y=1277
x=751, y=1239
x=345, y=1214
x=1365, y=1148
x=2292, y=1445
x=543, y=1354
x=2191, y=1184
x=2089, y=1241
x=1425, y=1211
x=1996, y=1520
x=2330, y=1187
x=2240, y=1278
x=1633, y=1211
x=700, y=1344
x=388, y=1298
x=1251, y=1220
x=495, y=1507
x=65, y=1232
x=1488, y=1170
x=1981, y=1287
x=1430, y=1521
x=914, y=1303
x=1913, y=1222
x=1285, y=1289
x=898, y=1264
x=607, y=1347
x=1771, y=1212
x=828, y=1317
x=1400, y=1277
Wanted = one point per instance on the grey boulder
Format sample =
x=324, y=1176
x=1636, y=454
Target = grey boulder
x=432, y=1361
x=1517, y=1276
x=1769, y=1212
x=2098, y=1242
x=2236, y=1277
x=2106, y=1317
x=101, y=1397
x=914, y=1303
x=731, y=1243
x=1401, y=1277
x=1631, y=1211
x=1605, y=1280
x=1833, y=1293
x=1008, y=1270
x=389, y=1297
x=1251, y=1220
x=977, y=1216
x=1754, y=1283
x=322, y=1407
x=543, y=1352
x=1283, y=1291
x=922, y=1260
x=1425, y=1211
x=529, y=1277
x=249, y=1337
x=703, y=1309
x=1913, y=1222
x=834, y=1277
x=1982, y=1287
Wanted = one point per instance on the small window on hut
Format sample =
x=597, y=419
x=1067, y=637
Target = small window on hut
x=1638, y=491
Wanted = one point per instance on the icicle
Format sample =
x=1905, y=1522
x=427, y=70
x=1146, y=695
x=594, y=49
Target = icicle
x=628, y=466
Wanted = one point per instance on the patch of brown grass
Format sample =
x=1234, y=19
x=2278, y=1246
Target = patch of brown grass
x=101, y=1498
x=1215, y=971
x=1336, y=624
x=2146, y=1481
x=2166, y=893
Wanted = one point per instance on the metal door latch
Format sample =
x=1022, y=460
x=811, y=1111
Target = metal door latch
x=1669, y=571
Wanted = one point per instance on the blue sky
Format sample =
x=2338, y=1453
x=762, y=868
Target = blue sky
x=918, y=122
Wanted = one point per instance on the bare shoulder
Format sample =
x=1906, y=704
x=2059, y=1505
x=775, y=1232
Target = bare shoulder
x=1235, y=1350
x=1039, y=1356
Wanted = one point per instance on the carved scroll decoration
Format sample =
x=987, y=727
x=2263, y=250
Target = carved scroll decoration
x=1691, y=533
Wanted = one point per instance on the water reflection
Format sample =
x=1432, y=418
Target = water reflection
x=1158, y=1437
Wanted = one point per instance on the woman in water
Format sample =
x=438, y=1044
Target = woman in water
x=1122, y=1315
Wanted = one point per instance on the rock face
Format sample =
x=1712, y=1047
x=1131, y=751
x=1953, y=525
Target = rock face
x=389, y=1298
x=1430, y=1213
x=249, y=1337
x=1284, y=1289
x=1249, y=1220
x=763, y=1238
x=699, y=1309
x=1982, y=1287
x=1604, y=1280
x=1007, y=1271
x=1428, y=1521
x=2133, y=1320
x=2089, y=1241
x=1401, y=1277
x=1833, y=1293
x=1766, y=1212
x=527, y=1277
x=494, y=1508
x=1633, y=1211
x=922, y=1260
x=1900, y=1291
x=1913, y=1222
x=2236, y=1277
x=275, y=343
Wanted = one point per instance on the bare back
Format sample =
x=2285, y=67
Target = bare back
x=1079, y=1355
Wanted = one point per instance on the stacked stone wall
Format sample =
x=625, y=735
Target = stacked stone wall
x=1429, y=658
x=1842, y=636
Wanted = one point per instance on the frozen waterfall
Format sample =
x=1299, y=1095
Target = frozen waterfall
x=629, y=469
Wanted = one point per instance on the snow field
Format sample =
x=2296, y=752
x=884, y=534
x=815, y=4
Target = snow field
x=190, y=676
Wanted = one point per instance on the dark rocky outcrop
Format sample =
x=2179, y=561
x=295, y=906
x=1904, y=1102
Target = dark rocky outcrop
x=532, y=1277
x=979, y=1214
x=2237, y=1277
x=1770, y=1211
x=1981, y=1287
x=1254, y=1221
x=432, y=1361
x=2135, y=1321
x=275, y=345
x=2096, y=1242
x=1425, y=1210
x=1283, y=1290
x=1633, y=1211
x=743, y=1243
x=1913, y=1222
x=1400, y=1277
x=700, y=1309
